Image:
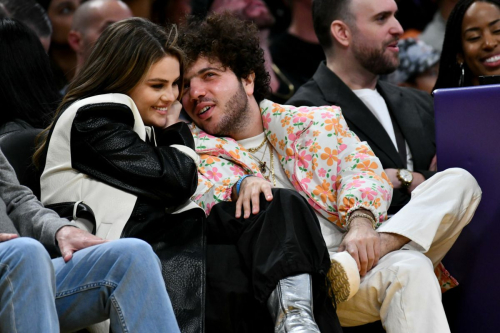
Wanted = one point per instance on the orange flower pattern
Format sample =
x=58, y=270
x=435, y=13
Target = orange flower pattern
x=321, y=157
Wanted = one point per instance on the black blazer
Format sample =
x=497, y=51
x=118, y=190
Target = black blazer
x=412, y=109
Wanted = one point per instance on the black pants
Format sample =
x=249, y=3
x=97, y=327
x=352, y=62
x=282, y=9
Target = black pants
x=247, y=257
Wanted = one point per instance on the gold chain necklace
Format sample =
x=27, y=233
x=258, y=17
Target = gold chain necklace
x=272, y=166
x=256, y=149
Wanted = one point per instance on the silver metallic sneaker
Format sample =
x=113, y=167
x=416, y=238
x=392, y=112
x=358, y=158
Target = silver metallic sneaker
x=290, y=305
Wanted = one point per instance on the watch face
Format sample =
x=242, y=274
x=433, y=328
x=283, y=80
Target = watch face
x=406, y=175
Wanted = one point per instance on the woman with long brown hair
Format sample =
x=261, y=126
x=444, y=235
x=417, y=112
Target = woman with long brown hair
x=115, y=143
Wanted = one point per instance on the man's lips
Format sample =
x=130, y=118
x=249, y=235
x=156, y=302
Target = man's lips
x=204, y=110
x=393, y=45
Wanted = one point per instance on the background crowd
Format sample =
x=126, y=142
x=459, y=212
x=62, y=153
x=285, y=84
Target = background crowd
x=439, y=44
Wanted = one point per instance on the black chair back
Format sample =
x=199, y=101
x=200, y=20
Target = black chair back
x=18, y=147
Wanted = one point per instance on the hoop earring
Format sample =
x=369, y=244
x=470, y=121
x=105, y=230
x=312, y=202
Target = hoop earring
x=461, y=81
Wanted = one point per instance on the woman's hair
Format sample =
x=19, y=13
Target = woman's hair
x=27, y=88
x=121, y=57
x=449, y=68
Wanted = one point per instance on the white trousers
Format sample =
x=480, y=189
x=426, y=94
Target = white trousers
x=402, y=290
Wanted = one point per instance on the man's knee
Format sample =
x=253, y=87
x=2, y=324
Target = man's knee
x=24, y=247
x=411, y=266
x=25, y=255
x=130, y=250
x=288, y=197
x=462, y=181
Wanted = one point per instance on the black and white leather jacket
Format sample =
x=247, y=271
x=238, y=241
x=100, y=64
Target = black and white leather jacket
x=100, y=152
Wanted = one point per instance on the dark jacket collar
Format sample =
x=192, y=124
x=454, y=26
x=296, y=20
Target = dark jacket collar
x=359, y=118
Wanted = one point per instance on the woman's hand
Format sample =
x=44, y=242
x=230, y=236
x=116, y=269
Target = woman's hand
x=173, y=113
x=248, y=198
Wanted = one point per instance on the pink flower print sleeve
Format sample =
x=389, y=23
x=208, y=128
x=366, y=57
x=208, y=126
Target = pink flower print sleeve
x=326, y=162
x=222, y=162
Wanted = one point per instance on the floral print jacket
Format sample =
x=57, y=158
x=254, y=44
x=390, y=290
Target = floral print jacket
x=324, y=161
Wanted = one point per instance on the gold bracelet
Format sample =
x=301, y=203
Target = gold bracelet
x=359, y=214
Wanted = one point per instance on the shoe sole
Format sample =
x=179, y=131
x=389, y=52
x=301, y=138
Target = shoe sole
x=343, y=284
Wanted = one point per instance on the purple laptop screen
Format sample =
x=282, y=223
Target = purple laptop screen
x=468, y=136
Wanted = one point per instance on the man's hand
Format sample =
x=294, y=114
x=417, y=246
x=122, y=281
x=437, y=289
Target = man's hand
x=6, y=237
x=434, y=164
x=392, y=174
x=72, y=239
x=362, y=243
x=250, y=190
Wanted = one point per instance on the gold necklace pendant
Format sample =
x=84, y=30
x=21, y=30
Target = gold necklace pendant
x=262, y=166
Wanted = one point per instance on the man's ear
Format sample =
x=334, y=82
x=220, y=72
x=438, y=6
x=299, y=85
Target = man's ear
x=249, y=83
x=341, y=32
x=74, y=40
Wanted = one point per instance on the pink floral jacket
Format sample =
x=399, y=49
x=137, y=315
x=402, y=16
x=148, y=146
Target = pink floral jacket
x=322, y=158
x=324, y=161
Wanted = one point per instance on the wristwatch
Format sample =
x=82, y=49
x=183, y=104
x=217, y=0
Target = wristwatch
x=405, y=177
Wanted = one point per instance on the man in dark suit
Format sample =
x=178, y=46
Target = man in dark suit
x=360, y=43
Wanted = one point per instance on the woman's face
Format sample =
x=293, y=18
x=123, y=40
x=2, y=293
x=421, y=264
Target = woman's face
x=61, y=16
x=157, y=91
x=481, y=40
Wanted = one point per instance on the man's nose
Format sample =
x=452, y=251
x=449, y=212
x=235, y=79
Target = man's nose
x=196, y=90
x=396, y=29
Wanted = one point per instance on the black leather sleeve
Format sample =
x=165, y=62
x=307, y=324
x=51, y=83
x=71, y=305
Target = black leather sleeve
x=104, y=146
x=177, y=134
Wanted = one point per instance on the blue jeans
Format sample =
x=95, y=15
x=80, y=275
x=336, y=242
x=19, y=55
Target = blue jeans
x=119, y=280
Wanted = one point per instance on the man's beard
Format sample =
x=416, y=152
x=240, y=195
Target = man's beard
x=236, y=115
x=375, y=60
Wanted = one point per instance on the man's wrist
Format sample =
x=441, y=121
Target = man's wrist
x=361, y=215
x=360, y=222
x=418, y=179
x=405, y=176
x=239, y=182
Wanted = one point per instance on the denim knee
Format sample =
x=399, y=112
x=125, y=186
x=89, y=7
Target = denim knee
x=132, y=249
x=28, y=248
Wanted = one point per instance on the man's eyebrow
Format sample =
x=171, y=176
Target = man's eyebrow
x=207, y=69
x=384, y=13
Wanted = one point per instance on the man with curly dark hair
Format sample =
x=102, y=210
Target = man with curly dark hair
x=279, y=248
